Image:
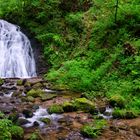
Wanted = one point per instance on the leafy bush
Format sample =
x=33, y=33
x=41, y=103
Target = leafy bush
x=8, y=131
x=94, y=129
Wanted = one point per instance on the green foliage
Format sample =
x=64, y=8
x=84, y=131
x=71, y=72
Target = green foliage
x=125, y=113
x=8, y=131
x=93, y=130
x=86, y=48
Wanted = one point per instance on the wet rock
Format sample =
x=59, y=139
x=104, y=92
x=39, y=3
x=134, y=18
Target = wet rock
x=36, y=123
x=27, y=113
x=15, y=94
x=102, y=109
x=35, y=107
x=22, y=121
x=13, y=117
x=27, y=88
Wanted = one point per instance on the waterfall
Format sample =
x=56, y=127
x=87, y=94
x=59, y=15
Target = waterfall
x=16, y=55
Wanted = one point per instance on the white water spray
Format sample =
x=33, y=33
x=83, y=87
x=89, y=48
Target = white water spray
x=16, y=55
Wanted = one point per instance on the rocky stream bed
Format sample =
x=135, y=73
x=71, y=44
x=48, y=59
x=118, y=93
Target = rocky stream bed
x=49, y=113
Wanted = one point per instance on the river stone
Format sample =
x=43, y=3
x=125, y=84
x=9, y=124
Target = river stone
x=27, y=113
x=22, y=121
x=36, y=123
x=35, y=107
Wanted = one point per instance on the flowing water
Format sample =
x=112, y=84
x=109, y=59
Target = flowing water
x=16, y=55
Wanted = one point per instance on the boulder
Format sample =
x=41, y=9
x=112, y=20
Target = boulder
x=84, y=104
x=27, y=113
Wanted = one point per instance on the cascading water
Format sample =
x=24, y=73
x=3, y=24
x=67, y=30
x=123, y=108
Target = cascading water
x=16, y=55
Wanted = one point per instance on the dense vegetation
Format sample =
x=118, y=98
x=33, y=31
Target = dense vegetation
x=91, y=46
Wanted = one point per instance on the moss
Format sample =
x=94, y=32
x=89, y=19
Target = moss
x=37, y=86
x=30, y=99
x=46, y=120
x=68, y=107
x=125, y=113
x=35, y=93
x=117, y=101
x=19, y=82
x=84, y=105
x=55, y=109
x=45, y=97
x=27, y=84
x=1, y=81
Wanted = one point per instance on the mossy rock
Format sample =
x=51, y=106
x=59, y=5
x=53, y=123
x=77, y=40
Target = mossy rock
x=84, y=104
x=68, y=107
x=30, y=98
x=35, y=93
x=19, y=82
x=46, y=120
x=27, y=113
x=1, y=81
x=55, y=109
x=27, y=84
x=37, y=86
x=125, y=114
x=45, y=97
x=117, y=101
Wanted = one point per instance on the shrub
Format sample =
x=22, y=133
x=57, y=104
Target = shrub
x=94, y=129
